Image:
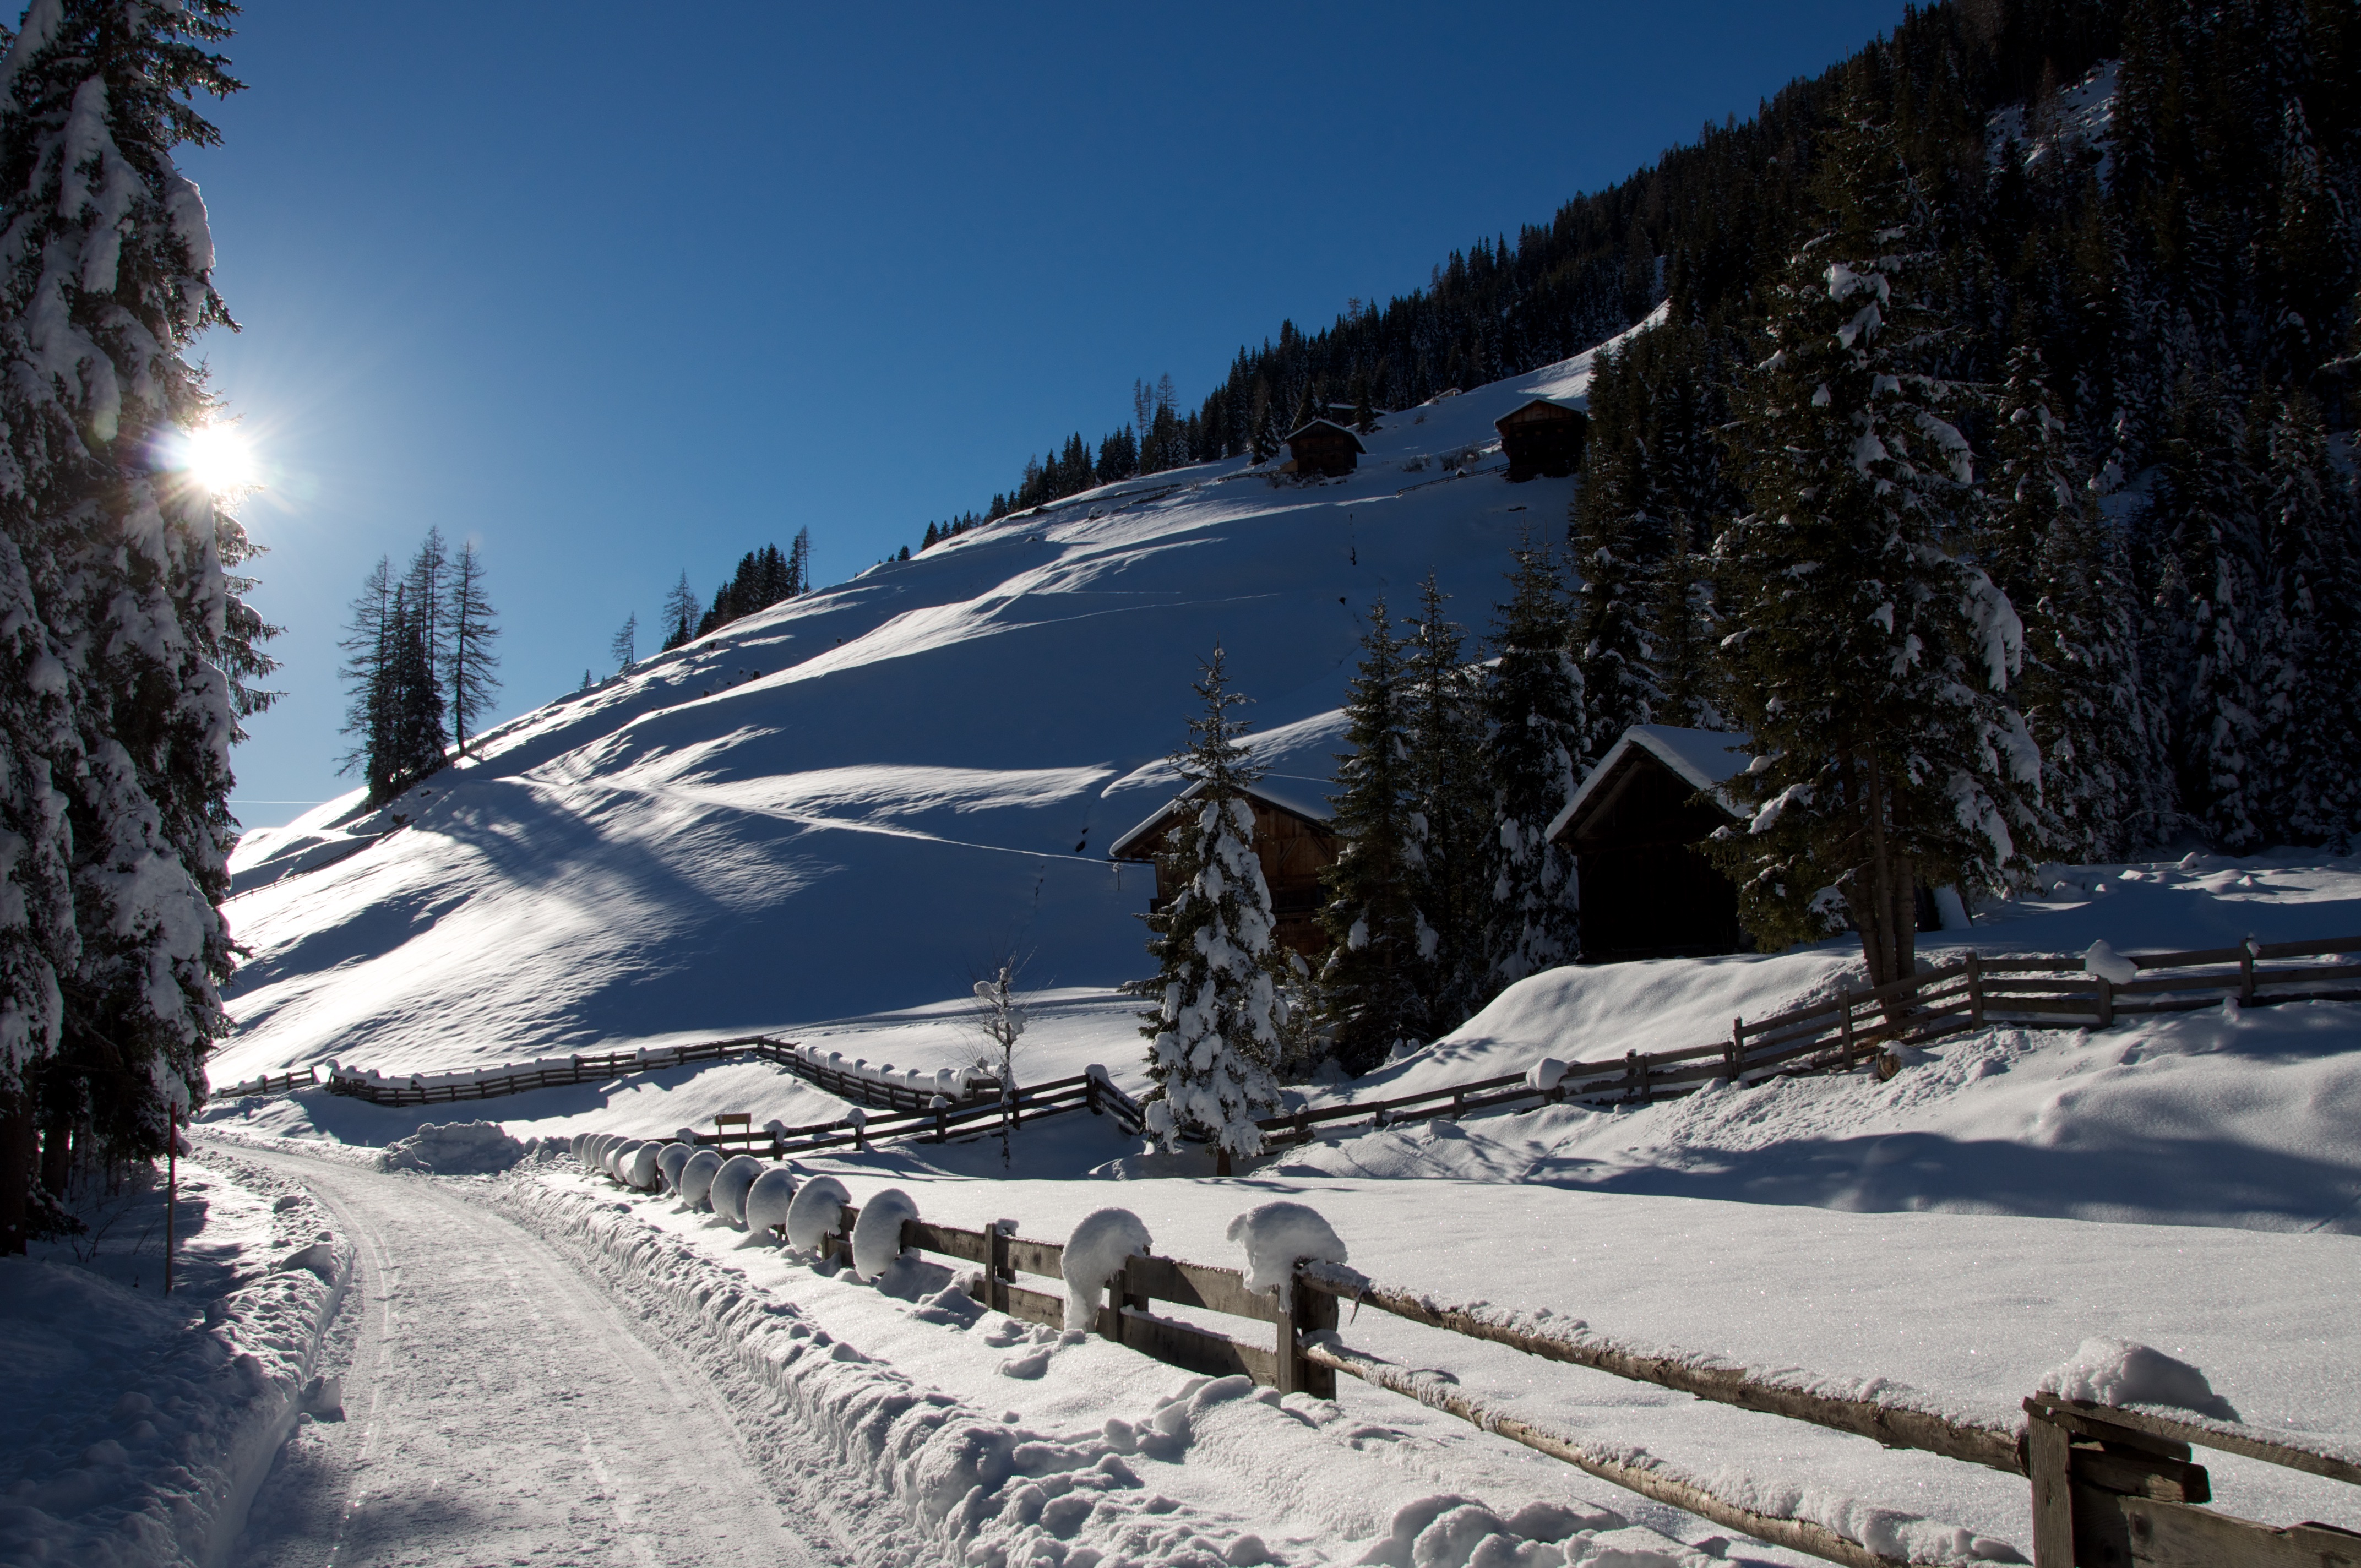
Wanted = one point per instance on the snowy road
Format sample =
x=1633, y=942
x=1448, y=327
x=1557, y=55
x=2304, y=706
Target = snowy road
x=500, y=1409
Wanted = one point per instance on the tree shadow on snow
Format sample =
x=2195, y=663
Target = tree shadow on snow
x=2194, y=1181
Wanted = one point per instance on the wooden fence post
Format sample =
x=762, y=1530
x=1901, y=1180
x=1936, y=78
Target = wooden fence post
x=2048, y=1460
x=1307, y=1312
x=2106, y=1002
x=997, y=1272
x=1975, y=988
x=1844, y=1025
x=1736, y=1047
x=2246, y=972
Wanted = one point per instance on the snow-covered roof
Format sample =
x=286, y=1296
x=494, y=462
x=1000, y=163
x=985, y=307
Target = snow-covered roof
x=1564, y=405
x=1704, y=758
x=1304, y=797
x=1329, y=424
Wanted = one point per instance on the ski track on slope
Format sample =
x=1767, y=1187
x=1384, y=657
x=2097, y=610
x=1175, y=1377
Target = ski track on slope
x=501, y=1409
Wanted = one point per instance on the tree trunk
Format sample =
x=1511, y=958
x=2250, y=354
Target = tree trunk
x=1887, y=944
x=16, y=1157
x=57, y=1157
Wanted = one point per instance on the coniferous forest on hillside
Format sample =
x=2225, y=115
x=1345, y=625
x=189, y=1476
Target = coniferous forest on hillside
x=2146, y=337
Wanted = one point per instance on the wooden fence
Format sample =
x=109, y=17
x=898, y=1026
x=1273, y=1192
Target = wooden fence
x=1837, y=1036
x=2110, y=1487
x=783, y=1053
x=939, y=1123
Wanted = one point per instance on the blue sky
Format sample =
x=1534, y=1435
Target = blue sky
x=618, y=292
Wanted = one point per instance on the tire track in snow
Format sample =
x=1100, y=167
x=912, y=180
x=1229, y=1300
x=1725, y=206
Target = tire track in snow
x=502, y=1410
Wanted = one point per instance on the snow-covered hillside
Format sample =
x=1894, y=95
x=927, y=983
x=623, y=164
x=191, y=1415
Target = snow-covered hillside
x=854, y=802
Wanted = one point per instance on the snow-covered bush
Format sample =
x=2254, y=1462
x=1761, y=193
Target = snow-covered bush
x=696, y=1176
x=1094, y=1254
x=1276, y=1236
x=767, y=1200
x=877, y=1233
x=728, y=1193
x=816, y=1212
x=453, y=1148
x=669, y=1159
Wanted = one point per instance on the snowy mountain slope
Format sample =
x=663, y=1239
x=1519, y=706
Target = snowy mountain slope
x=850, y=802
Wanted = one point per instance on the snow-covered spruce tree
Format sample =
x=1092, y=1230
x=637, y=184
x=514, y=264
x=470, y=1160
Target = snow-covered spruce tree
x=1213, y=1042
x=413, y=707
x=1369, y=986
x=1532, y=749
x=2312, y=526
x=1444, y=844
x=363, y=671
x=1681, y=634
x=2217, y=642
x=1870, y=664
x=2081, y=690
x=682, y=606
x=1611, y=624
x=132, y=647
x=469, y=678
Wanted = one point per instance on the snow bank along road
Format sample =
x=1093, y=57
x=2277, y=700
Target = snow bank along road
x=500, y=1409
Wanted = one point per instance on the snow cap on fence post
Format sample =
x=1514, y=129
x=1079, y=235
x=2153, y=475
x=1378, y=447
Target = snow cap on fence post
x=1278, y=1236
x=1094, y=1256
x=1543, y=1075
x=815, y=1213
x=768, y=1200
x=877, y=1233
x=2108, y=964
x=696, y=1177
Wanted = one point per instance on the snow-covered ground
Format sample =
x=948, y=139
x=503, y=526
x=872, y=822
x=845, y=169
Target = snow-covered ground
x=860, y=800
x=134, y=1425
x=827, y=819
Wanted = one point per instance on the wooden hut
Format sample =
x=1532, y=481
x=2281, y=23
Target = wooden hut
x=1543, y=438
x=1324, y=446
x=1636, y=826
x=1293, y=838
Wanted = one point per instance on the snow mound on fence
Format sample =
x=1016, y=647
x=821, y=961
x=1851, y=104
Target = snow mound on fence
x=696, y=1175
x=1276, y=1236
x=2123, y=1372
x=816, y=1212
x=768, y=1200
x=877, y=1234
x=1094, y=1254
x=454, y=1148
x=728, y=1193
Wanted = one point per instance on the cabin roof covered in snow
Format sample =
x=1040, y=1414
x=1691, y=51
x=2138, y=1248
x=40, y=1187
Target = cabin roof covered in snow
x=1562, y=405
x=1318, y=425
x=1704, y=759
x=1300, y=798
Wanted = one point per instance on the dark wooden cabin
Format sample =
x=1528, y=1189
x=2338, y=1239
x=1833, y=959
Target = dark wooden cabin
x=1543, y=439
x=1635, y=828
x=1324, y=446
x=1293, y=844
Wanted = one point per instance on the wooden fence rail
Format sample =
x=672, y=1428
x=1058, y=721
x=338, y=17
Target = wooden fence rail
x=1969, y=993
x=2110, y=1487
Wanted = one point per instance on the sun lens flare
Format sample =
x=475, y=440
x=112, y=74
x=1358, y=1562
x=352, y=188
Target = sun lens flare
x=219, y=458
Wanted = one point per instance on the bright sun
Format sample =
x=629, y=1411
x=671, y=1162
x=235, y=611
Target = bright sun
x=218, y=458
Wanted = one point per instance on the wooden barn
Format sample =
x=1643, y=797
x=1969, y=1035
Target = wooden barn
x=1635, y=828
x=1543, y=438
x=1291, y=837
x=1324, y=446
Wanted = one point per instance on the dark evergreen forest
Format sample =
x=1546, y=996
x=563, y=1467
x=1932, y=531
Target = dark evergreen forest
x=2148, y=342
